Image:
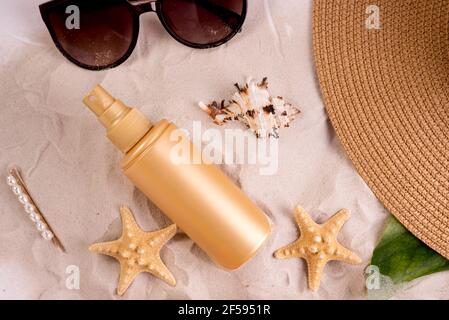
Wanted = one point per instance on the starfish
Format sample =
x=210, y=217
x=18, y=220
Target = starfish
x=318, y=244
x=137, y=251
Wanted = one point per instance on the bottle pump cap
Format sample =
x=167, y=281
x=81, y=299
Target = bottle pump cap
x=125, y=126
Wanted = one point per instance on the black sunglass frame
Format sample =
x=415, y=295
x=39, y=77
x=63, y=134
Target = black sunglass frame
x=136, y=11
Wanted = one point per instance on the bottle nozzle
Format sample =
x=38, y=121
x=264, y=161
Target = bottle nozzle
x=98, y=100
x=125, y=125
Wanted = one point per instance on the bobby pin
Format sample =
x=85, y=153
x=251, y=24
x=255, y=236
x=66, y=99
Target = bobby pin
x=19, y=188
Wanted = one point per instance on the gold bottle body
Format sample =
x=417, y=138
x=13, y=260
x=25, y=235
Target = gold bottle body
x=198, y=197
x=195, y=195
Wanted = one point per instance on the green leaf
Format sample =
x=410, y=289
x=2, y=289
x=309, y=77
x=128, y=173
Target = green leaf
x=402, y=257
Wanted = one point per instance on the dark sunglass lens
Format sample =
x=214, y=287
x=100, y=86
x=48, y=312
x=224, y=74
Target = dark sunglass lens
x=96, y=33
x=203, y=22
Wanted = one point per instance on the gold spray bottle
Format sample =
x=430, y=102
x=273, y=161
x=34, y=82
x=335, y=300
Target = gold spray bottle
x=198, y=197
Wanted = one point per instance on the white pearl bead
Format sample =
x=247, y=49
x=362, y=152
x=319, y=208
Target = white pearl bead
x=35, y=217
x=17, y=190
x=23, y=199
x=317, y=239
x=11, y=181
x=47, y=235
x=29, y=208
x=40, y=226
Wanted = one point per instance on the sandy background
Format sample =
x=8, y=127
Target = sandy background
x=72, y=169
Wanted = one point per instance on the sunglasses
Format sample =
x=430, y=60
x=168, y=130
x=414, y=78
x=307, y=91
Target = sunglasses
x=101, y=34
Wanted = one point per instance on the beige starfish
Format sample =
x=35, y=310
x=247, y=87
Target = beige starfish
x=318, y=244
x=137, y=251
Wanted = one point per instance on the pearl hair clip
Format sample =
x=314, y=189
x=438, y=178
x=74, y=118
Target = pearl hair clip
x=18, y=187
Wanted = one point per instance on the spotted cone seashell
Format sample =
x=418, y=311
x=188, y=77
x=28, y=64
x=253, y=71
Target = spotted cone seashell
x=253, y=106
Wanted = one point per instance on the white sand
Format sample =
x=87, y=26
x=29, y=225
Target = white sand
x=71, y=168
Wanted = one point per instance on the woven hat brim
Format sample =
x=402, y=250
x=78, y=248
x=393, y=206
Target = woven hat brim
x=386, y=92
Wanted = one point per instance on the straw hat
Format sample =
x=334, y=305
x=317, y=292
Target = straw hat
x=387, y=94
